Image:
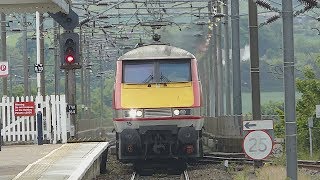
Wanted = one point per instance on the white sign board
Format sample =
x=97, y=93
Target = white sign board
x=257, y=125
x=317, y=111
x=4, y=69
x=38, y=68
x=257, y=145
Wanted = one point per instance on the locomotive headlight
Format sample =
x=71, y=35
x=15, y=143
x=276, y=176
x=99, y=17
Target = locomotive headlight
x=138, y=113
x=182, y=112
x=132, y=113
x=176, y=112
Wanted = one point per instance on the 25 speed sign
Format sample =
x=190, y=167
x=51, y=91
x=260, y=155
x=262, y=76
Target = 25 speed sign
x=257, y=144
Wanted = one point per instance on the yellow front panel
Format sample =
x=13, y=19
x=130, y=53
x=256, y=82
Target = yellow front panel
x=158, y=95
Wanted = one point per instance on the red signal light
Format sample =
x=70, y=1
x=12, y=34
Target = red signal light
x=70, y=59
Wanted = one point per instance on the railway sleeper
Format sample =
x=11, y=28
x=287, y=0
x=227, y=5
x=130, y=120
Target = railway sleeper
x=150, y=167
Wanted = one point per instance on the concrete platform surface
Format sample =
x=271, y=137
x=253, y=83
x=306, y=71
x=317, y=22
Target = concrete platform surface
x=15, y=158
x=69, y=161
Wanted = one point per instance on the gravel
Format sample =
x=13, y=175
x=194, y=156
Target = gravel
x=120, y=171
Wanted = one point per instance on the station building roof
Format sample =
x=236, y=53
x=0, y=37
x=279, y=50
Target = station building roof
x=31, y=6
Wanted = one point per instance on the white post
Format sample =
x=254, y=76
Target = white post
x=310, y=136
x=48, y=118
x=55, y=115
x=27, y=122
x=310, y=125
x=63, y=119
x=4, y=103
x=39, y=98
x=38, y=49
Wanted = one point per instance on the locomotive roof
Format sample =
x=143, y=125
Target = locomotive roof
x=157, y=52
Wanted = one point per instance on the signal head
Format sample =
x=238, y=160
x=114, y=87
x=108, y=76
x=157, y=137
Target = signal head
x=69, y=46
x=69, y=59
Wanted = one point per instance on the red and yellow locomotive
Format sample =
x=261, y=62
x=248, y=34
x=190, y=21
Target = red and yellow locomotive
x=157, y=102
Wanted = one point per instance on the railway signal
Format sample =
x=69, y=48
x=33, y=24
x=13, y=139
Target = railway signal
x=69, y=47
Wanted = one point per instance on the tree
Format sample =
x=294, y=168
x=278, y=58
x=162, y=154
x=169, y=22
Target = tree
x=309, y=87
x=276, y=109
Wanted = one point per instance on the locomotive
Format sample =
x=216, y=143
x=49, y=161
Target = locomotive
x=157, y=104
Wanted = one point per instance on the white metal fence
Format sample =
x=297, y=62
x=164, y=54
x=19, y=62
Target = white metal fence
x=55, y=123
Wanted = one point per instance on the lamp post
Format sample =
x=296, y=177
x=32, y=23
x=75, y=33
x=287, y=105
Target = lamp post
x=4, y=51
x=4, y=58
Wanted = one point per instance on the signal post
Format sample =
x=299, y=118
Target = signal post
x=70, y=61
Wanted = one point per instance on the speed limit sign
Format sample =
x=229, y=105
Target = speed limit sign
x=257, y=144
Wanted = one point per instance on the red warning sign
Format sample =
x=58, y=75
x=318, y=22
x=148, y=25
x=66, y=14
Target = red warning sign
x=4, y=69
x=24, y=109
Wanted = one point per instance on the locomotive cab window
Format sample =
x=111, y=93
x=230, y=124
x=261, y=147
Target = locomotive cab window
x=138, y=72
x=156, y=71
x=174, y=71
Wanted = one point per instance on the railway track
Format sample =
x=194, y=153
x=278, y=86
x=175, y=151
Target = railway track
x=241, y=159
x=184, y=176
x=215, y=158
x=312, y=165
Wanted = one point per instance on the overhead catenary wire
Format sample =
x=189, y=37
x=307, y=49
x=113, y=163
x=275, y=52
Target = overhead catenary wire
x=308, y=5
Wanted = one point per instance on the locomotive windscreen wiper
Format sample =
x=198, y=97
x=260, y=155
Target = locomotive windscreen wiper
x=149, y=78
x=163, y=78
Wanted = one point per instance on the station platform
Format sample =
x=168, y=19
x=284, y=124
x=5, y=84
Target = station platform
x=51, y=161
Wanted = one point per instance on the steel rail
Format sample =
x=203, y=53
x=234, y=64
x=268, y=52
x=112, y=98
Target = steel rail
x=186, y=175
x=134, y=176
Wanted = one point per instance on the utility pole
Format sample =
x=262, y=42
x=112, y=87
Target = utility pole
x=86, y=81
x=89, y=93
x=38, y=34
x=236, y=76
x=4, y=59
x=204, y=77
x=208, y=69
x=226, y=57
x=215, y=101
x=25, y=56
x=10, y=77
x=71, y=91
x=82, y=71
x=254, y=59
x=220, y=86
x=42, y=74
x=38, y=100
x=237, y=102
x=101, y=86
x=56, y=64
x=4, y=52
x=289, y=87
